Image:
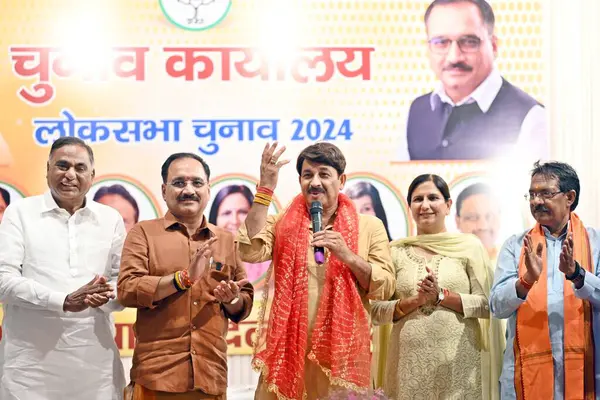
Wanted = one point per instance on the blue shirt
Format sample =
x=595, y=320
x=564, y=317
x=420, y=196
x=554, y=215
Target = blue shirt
x=504, y=303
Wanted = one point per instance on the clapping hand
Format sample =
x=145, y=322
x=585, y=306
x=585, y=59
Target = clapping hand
x=567, y=262
x=93, y=294
x=198, y=263
x=428, y=289
x=533, y=260
x=226, y=292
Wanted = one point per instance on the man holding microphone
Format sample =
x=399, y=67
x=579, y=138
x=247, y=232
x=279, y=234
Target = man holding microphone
x=319, y=326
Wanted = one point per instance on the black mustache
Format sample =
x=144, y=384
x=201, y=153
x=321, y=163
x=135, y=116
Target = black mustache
x=186, y=197
x=459, y=65
x=540, y=208
x=317, y=190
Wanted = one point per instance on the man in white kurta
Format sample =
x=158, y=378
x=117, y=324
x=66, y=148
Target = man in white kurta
x=59, y=259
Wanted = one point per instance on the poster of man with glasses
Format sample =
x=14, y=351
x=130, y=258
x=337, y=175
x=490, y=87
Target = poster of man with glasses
x=473, y=113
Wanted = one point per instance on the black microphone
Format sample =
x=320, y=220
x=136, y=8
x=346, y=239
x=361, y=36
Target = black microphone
x=316, y=212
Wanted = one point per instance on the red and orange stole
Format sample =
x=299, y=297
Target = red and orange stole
x=534, y=371
x=340, y=337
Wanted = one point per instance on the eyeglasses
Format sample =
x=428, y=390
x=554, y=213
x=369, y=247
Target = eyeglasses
x=544, y=195
x=180, y=183
x=466, y=44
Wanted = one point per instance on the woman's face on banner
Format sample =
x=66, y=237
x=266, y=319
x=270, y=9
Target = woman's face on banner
x=233, y=211
x=364, y=205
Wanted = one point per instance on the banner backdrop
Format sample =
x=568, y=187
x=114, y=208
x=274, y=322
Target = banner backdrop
x=142, y=79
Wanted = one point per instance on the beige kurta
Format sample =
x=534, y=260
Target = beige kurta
x=373, y=246
x=433, y=352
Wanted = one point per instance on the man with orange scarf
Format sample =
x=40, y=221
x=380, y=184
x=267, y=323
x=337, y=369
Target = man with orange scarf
x=318, y=332
x=546, y=285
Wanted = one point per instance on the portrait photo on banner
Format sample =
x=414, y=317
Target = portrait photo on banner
x=8, y=194
x=484, y=84
x=486, y=209
x=230, y=201
x=129, y=197
x=374, y=195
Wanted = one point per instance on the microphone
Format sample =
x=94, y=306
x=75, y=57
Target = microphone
x=316, y=213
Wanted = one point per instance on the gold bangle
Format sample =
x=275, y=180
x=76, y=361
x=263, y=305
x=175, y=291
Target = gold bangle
x=261, y=201
x=264, y=196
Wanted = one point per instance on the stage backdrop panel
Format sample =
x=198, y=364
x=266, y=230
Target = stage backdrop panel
x=142, y=79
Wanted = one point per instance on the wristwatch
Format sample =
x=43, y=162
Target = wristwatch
x=441, y=297
x=578, y=274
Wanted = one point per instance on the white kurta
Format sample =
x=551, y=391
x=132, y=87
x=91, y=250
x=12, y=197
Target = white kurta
x=45, y=253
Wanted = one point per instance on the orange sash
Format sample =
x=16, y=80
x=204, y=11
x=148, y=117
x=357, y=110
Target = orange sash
x=340, y=337
x=534, y=370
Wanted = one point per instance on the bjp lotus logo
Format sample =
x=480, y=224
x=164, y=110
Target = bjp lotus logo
x=195, y=15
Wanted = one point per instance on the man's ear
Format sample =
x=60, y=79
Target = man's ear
x=494, y=41
x=571, y=195
x=342, y=181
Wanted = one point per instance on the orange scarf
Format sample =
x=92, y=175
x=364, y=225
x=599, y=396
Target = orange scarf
x=534, y=371
x=340, y=339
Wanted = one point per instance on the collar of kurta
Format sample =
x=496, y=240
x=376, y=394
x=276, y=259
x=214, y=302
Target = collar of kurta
x=171, y=221
x=562, y=235
x=49, y=204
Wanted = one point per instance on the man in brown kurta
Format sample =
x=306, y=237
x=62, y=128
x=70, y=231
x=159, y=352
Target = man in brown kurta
x=186, y=280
